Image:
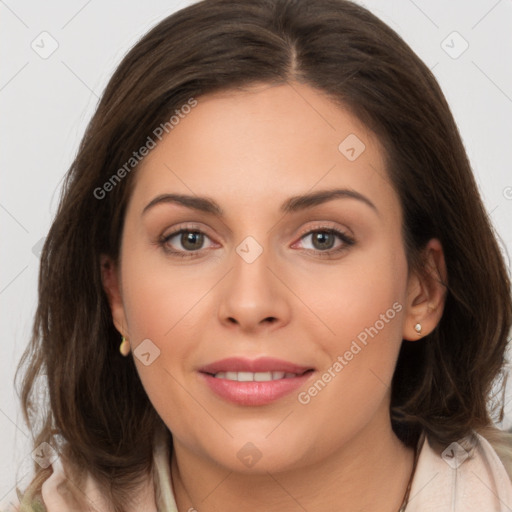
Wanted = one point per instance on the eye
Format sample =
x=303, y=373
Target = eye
x=189, y=242
x=185, y=242
x=323, y=240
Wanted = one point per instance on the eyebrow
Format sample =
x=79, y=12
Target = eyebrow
x=291, y=205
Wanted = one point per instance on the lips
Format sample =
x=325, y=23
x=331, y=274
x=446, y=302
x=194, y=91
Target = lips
x=254, y=382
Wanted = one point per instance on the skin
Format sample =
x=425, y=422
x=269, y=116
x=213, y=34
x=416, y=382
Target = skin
x=250, y=151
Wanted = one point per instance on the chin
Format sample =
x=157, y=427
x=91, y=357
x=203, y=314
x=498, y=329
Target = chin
x=259, y=454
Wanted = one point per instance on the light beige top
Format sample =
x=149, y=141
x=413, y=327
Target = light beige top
x=464, y=478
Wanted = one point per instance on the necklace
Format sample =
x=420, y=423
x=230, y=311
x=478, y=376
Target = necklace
x=408, y=490
x=405, y=501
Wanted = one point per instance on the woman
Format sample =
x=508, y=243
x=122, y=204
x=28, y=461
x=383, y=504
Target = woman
x=272, y=217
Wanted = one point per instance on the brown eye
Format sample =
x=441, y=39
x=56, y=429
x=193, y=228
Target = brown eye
x=324, y=240
x=192, y=240
x=184, y=242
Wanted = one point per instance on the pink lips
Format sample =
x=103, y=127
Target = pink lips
x=254, y=392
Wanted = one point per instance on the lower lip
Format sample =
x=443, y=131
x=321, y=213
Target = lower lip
x=254, y=393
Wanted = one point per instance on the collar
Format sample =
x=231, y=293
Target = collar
x=464, y=476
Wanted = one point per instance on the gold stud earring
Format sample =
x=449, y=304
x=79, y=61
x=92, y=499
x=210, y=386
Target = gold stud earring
x=124, y=347
x=417, y=328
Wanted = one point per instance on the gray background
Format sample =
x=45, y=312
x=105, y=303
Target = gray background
x=46, y=101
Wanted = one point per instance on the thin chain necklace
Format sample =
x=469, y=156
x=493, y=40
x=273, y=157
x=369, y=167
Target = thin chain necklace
x=405, y=501
x=408, y=490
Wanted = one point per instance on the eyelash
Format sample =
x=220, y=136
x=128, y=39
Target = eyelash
x=347, y=240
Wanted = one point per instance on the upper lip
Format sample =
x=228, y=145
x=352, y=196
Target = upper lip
x=262, y=364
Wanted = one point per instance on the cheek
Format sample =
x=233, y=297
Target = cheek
x=363, y=293
x=169, y=305
x=160, y=297
x=363, y=306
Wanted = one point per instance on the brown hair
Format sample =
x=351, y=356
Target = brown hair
x=98, y=413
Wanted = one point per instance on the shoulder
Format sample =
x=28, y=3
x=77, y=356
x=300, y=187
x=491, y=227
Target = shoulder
x=66, y=488
x=501, y=442
x=465, y=475
x=65, y=491
x=61, y=491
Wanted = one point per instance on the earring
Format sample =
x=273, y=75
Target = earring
x=124, y=348
x=417, y=328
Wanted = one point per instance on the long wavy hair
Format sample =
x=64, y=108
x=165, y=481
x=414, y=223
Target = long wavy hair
x=96, y=412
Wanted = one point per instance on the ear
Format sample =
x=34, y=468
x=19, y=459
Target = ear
x=426, y=294
x=111, y=285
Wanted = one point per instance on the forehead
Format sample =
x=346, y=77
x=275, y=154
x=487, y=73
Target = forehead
x=256, y=147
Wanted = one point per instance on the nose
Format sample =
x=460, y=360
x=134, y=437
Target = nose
x=252, y=297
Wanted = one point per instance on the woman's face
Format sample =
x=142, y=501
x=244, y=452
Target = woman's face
x=276, y=276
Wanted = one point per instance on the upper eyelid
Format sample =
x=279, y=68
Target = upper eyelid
x=165, y=237
x=324, y=225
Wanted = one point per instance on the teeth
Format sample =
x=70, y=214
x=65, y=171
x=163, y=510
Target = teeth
x=263, y=376
x=254, y=377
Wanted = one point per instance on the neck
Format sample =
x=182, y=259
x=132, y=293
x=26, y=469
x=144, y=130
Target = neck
x=370, y=472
